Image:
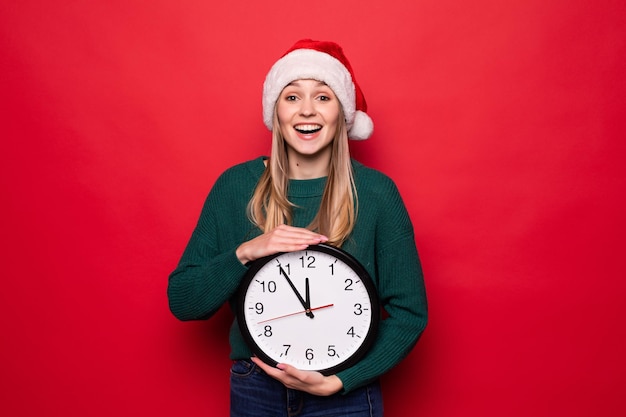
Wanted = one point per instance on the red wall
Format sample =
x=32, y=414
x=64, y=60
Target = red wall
x=501, y=122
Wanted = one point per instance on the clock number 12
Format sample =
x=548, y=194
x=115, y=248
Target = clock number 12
x=310, y=259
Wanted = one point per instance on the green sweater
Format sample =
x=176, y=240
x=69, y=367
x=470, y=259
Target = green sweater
x=209, y=272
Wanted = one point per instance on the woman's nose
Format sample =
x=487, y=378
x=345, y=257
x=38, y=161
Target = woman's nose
x=307, y=108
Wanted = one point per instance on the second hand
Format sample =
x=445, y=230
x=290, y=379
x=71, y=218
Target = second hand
x=297, y=312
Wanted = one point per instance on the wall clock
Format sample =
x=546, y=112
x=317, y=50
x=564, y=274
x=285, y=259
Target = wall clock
x=315, y=309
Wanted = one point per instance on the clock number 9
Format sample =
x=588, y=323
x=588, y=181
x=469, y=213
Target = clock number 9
x=259, y=308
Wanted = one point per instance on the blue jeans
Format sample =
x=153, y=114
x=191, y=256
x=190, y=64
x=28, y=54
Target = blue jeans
x=255, y=394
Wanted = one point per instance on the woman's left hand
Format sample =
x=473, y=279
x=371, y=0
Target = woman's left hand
x=308, y=381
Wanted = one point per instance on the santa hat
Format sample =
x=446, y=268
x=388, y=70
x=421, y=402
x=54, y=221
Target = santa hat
x=326, y=62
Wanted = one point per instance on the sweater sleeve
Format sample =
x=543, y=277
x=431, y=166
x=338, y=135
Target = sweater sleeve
x=401, y=292
x=208, y=272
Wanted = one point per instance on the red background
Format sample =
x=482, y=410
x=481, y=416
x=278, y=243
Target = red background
x=501, y=122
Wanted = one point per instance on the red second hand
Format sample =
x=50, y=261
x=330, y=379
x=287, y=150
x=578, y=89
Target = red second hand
x=298, y=312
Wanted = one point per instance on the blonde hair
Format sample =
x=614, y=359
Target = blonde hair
x=269, y=206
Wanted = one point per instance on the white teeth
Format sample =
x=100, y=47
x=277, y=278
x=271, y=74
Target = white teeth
x=308, y=128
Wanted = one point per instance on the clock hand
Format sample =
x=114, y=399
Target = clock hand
x=296, y=313
x=307, y=295
x=307, y=308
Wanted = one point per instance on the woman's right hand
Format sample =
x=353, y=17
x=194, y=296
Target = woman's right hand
x=283, y=238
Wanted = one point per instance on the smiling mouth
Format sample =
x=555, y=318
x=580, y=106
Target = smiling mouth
x=308, y=129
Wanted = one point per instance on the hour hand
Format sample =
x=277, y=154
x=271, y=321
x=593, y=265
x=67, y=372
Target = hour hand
x=307, y=297
x=306, y=306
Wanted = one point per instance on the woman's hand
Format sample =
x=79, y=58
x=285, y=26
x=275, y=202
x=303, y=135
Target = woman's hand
x=280, y=239
x=307, y=381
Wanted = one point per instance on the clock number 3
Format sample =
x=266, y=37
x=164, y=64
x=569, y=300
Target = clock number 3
x=358, y=309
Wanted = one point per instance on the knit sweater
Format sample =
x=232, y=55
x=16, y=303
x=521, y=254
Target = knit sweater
x=382, y=240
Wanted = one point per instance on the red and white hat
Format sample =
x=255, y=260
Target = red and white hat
x=326, y=62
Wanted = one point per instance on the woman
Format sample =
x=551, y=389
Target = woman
x=309, y=191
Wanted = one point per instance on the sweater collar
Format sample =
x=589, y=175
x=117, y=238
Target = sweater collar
x=307, y=188
x=298, y=188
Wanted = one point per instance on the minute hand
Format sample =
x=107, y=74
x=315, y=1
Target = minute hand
x=307, y=307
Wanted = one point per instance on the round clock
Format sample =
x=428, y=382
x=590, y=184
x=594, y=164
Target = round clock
x=315, y=309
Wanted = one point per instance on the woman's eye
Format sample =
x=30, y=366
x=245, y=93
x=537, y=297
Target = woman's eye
x=324, y=98
x=290, y=98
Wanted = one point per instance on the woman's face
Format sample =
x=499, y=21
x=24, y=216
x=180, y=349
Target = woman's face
x=308, y=114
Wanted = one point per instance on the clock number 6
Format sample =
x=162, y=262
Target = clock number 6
x=309, y=354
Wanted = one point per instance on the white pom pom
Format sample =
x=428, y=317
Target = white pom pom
x=362, y=127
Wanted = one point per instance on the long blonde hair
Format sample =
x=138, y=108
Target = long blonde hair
x=269, y=206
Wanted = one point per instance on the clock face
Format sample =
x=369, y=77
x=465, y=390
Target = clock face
x=315, y=309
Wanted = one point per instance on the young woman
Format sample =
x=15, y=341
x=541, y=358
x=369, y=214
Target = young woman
x=308, y=191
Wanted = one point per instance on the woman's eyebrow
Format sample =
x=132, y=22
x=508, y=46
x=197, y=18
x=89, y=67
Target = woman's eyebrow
x=296, y=83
